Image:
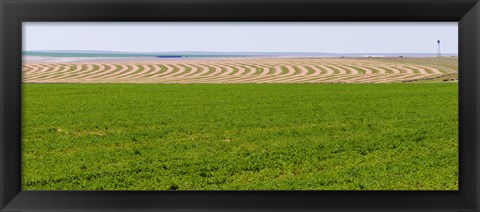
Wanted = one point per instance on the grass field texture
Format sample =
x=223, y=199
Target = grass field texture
x=397, y=136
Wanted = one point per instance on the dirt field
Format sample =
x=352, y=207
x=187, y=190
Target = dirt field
x=243, y=70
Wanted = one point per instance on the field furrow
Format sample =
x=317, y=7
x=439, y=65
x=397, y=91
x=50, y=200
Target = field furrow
x=251, y=70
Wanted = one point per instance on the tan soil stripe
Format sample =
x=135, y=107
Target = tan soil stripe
x=367, y=69
x=177, y=78
x=180, y=73
x=328, y=78
x=69, y=70
x=228, y=77
x=77, y=69
x=199, y=70
x=393, y=77
x=242, y=78
x=385, y=76
x=346, y=68
x=416, y=76
x=265, y=69
x=340, y=70
x=91, y=67
x=45, y=71
x=117, y=71
x=81, y=72
x=221, y=71
x=420, y=70
x=380, y=70
x=420, y=77
x=152, y=69
x=377, y=66
x=400, y=78
x=167, y=72
x=210, y=70
x=251, y=69
x=308, y=77
x=132, y=69
x=431, y=69
x=157, y=70
x=105, y=71
x=145, y=70
x=217, y=71
x=295, y=75
x=405, y=69
x=205, y=70
x=394, y=70
x=41, y=69
x=329, y=70
x=237, y=79
x=90, y=70
x=234, y=69
x=387, y=70
x=57, y=74
x=28, y=68
x=331, y=77
x=276, y=78
x=368, y=77
x=36, y=78
x=247, y=75
x=277, y=73
x=36, y=68
x=240, y=69
x=349, y=69
x=338, y=79
x=228, y=72
x=181, y=70
x=193, y=70
x=354, y=78
x=317, y=71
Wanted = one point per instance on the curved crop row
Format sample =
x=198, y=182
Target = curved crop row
x=234, y=71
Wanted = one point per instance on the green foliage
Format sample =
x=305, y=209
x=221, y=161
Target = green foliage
x=240, y=136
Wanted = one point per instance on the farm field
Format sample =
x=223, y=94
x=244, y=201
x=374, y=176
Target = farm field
x=281, y=136
x=242, y=70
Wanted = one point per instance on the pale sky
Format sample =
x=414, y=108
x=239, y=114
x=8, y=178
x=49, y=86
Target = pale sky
x=340, y=37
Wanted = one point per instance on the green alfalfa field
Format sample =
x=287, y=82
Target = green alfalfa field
x=396, y=136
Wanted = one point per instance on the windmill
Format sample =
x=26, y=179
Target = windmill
x=439, y=53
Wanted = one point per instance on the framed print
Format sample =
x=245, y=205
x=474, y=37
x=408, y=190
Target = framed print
x=239, y=105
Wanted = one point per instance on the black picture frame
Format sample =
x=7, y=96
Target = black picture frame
x=14, y=12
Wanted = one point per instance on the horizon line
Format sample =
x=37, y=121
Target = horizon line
x=195, y=51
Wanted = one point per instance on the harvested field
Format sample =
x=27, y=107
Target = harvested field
x=241, y=70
